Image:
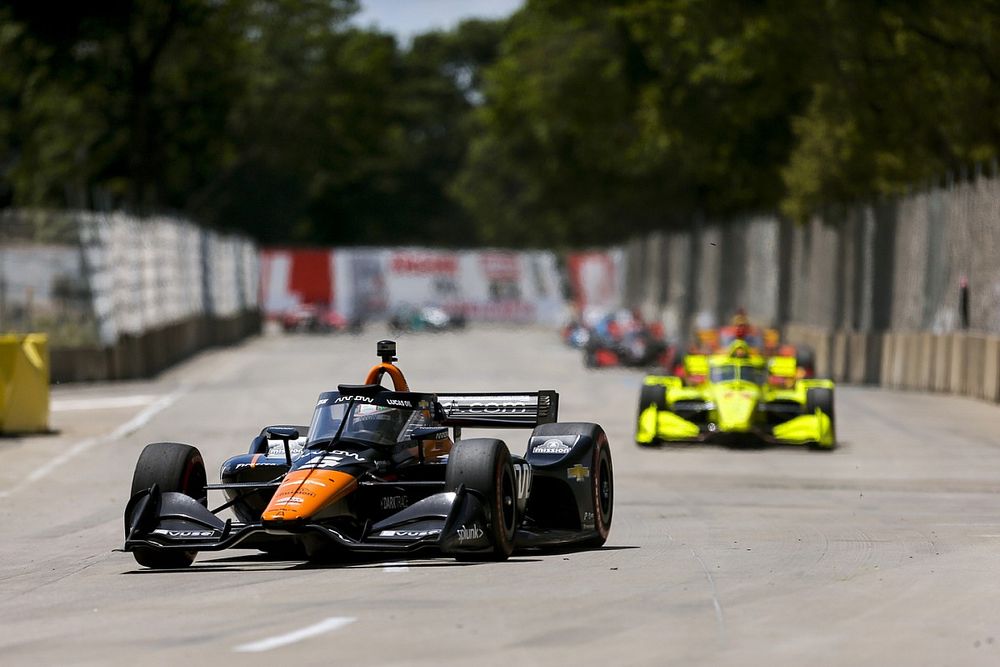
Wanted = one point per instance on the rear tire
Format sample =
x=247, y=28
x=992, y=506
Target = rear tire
x=484, y=465
x=805, y=359
x=175, y=467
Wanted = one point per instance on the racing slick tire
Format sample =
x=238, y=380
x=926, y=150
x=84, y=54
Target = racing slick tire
x=483, y=465
x=172, y=466
x=651, y=394
x=602, y=487
x=822, y=398
x=805, y=359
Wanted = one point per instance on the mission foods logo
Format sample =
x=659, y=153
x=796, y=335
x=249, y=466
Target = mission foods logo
x=552, y=446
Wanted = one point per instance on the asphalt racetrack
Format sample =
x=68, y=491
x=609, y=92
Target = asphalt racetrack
x=883, y=552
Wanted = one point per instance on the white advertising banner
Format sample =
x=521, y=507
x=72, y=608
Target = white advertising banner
x=482, y=285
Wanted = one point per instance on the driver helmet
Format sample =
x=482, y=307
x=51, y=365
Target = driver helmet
x=739, y=349
x=378, y=420
x=741, y=324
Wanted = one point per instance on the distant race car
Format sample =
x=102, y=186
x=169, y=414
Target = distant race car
x=376, y=471
x=736, y=396
x=624, y=339
x=427, y=318
x=766, y=342
x=575, y=335
x=315, y=318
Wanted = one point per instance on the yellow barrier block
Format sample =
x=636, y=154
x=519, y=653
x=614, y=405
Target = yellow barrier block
x=24, y=383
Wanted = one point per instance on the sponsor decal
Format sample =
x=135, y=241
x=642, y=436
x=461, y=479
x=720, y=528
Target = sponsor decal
x=501, y=265
x=356, y=399
x=297, y=482
x=331, y=460
x=184, y=533
x=408, y=533
x=499, y=408
x=503, y=405
x=424, y=263
x=294, y=500
x=322, y=401
x=348, y=455
x=552, y=446
x=522, y=478
x=393, y=502
x=473, y=532
x=578, y=472
x=296, y=492
x=399, y=403
x=588, y=516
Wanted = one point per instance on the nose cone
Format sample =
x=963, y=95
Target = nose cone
x=735, y=406
x=303, y=493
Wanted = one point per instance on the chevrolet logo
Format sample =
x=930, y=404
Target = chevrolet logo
x=578, y=472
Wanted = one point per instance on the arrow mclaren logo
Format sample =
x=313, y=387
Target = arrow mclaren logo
x=474, y=532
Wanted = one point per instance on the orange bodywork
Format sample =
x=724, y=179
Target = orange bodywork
x=303, y=493
x=377, y=371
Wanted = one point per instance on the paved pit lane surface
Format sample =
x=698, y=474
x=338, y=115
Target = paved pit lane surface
x=885, y=551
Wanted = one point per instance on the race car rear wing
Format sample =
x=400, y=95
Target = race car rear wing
x=501, y=409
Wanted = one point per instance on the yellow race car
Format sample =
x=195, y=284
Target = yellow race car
x=736, y=396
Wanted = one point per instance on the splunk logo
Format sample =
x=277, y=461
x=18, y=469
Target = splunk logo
x=473, y=532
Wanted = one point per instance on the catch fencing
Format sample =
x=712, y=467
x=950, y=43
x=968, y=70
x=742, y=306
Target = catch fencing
x=924, y=264
x=121, y=296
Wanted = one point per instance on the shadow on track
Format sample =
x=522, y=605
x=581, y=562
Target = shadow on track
x=263, y=562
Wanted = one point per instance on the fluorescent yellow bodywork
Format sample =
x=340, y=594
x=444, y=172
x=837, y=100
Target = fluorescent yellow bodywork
x=815, y=428
x=732, y=405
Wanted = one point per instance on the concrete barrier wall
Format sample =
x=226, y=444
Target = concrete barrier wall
x=139, y=295
x=900, y=292
x=146, y=354
x=965, y=364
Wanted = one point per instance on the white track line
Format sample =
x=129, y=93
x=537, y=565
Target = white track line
x=101, y=403
x=129, y=427
x=395, y=568
x=324, y=626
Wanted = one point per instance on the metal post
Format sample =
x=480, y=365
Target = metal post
x=3, y=287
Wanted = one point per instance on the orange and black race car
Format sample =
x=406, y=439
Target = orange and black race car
x=378, y=471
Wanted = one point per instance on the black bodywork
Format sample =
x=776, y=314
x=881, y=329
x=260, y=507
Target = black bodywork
x=402, y=502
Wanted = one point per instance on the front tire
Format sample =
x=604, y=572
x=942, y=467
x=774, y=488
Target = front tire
x=483, y=465
x=602, y=482
x=175, y=467
x=821, y=398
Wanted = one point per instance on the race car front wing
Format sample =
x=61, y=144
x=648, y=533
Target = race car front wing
x=452, y=522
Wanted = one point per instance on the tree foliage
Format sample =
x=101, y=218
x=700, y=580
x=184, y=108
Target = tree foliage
x=573, y=122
